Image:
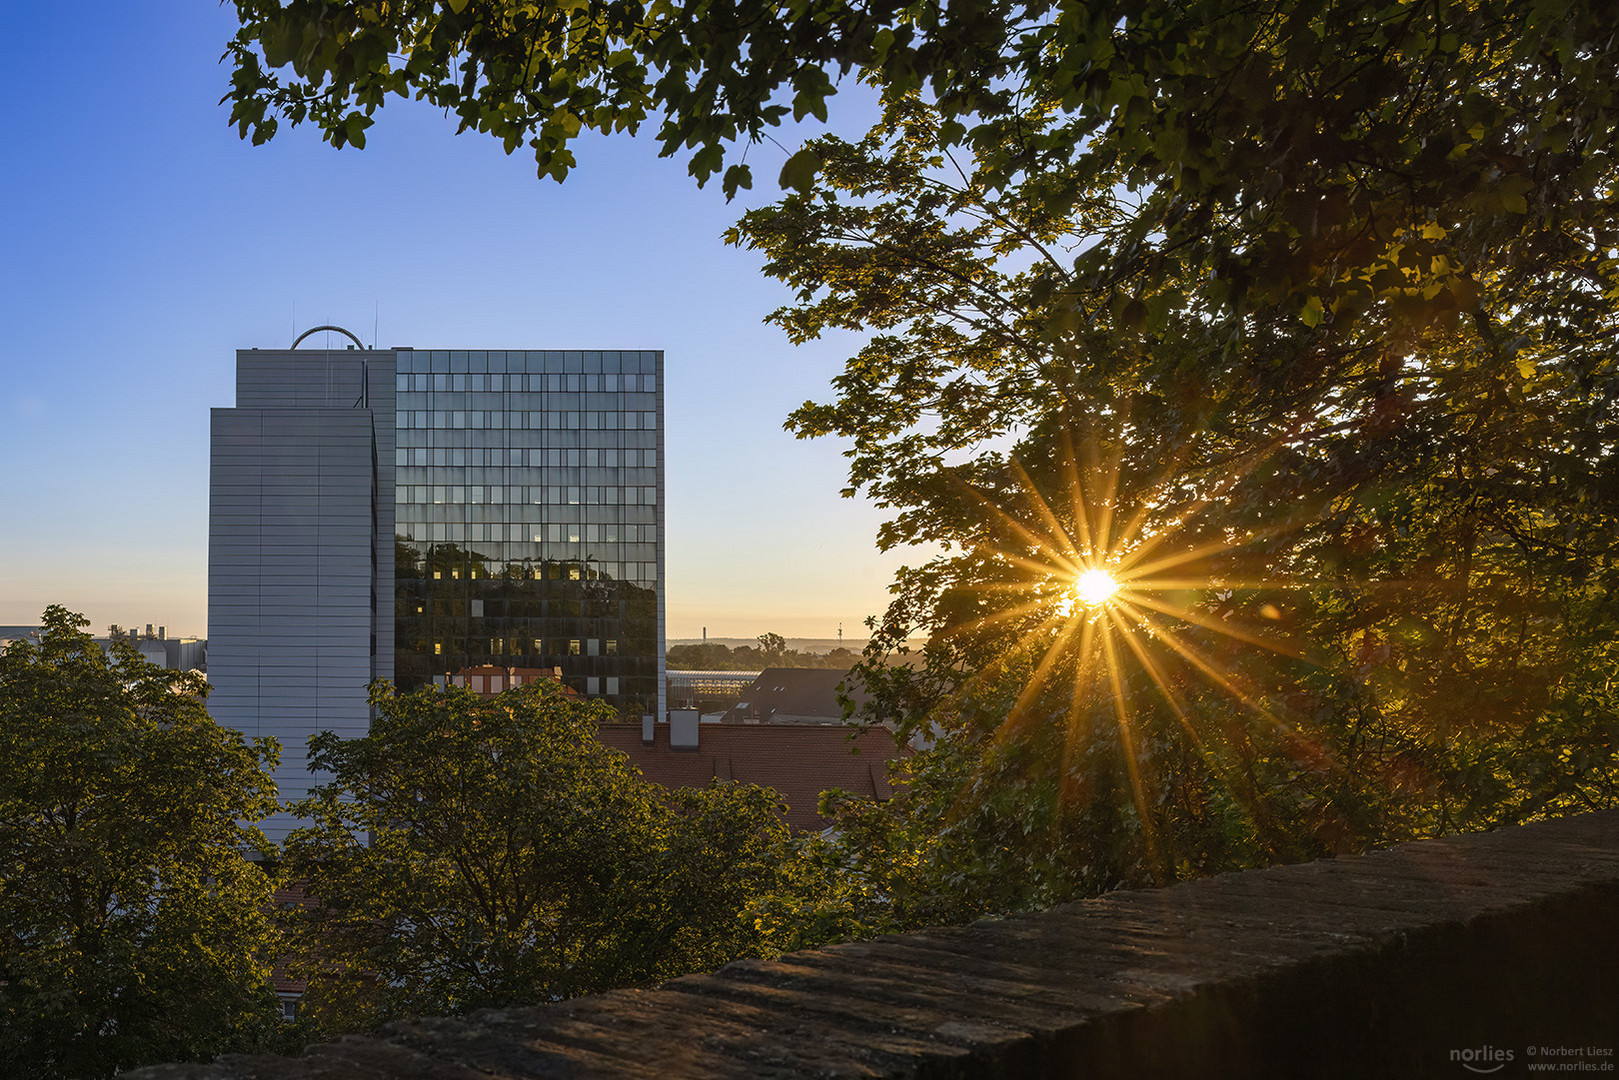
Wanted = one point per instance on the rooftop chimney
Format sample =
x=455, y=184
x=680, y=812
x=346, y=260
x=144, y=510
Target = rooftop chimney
x=683, y=729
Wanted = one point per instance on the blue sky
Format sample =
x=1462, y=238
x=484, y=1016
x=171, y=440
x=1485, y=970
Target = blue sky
x=144, y=243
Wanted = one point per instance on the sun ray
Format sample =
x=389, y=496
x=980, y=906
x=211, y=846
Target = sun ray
x=1193, y=509
x=1131, y=564
x=1104, y=580
x=1219, y=626
x=993, y=588
x=1024, y=644
x=1041, y=570
x=1158, y=584
x=1156, y=674
x=1132, y=762
x=1076, y=494
x=1172, y=699
x=1037, y=679
x=1043, y=508
x=1132, y=528
x=1076, y=712
x=1104, y=523
x=1055, y=549
x=1005, y=615
x=1197, y=660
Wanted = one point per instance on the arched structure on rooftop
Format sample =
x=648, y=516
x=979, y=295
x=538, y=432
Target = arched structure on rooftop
x=358, y=344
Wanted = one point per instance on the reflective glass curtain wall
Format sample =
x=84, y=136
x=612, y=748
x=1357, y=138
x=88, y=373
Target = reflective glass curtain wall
x=529, y=518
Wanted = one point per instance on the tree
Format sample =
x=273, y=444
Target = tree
x=473, y=852
x=1424, y=513
x=1327, y=290
x=542, y=73
x=1277, y=110
x=1416, y=510
x=134, y=927
x=713, y=656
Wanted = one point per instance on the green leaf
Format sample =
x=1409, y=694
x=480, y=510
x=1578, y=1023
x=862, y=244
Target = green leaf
x=354, y=128
x=737, y=177
x=881, y=42
x=799, y=171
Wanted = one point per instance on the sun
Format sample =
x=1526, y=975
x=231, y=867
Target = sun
x=1094, y=587
x=1121, y=587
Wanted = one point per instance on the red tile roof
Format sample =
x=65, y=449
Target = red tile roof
x=798, y=760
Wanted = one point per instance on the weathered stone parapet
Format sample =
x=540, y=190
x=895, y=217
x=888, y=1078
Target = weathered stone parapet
x=1392, y=964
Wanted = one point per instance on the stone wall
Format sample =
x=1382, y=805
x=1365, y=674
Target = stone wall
x=1477, y=954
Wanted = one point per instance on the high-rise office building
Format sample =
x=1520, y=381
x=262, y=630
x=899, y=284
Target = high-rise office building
x=415, y=515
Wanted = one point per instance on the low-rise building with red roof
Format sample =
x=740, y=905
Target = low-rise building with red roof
x=798, y=760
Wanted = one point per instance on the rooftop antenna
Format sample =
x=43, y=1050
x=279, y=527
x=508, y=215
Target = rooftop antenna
x=376, y=320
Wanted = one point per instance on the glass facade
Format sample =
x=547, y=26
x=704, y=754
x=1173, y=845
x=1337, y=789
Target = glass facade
x=528, y=517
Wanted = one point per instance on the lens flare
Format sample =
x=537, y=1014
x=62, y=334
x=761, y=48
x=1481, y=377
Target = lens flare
x=1122, y=588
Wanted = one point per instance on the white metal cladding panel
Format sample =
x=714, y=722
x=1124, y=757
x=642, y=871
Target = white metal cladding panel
x=291, y=578
x=234, y=534
x=305, y=379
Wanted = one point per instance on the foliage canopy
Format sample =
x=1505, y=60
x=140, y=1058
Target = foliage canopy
x=1315, y=301
x=1360, y=408
x=772, y=651
x=134, y=928
x=512, y=859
